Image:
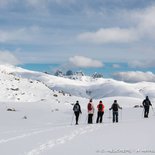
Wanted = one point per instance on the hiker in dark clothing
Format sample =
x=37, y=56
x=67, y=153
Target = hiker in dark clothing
x=77, y=111
x=115, y=106
x=100, y=112
x=146, y=104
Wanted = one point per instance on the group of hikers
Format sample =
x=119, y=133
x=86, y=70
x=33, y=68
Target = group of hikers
x=100, y=110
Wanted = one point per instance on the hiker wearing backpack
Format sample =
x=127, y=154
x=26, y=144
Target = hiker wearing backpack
x=146, y=104
x=115, y=106
x=100, y=112
x=77, y=111
x=90, y=108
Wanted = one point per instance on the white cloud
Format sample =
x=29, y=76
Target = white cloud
x=134, y=76
x=3, y=3
x=108, y=35
x=7, y=57
x=143, y=27
x=38, y=4
x=145, y=22
x=65, y=1
x=44, y=4
x=8, y=3
x=108, y=27
x=142, y=63
x=116, y=66
x=22, y=34
x=85, y=62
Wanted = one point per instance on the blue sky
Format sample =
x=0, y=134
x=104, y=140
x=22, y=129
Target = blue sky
x=83, y=33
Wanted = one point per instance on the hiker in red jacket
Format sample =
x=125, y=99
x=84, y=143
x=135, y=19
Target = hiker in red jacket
x=100, y=112
x=90, y=108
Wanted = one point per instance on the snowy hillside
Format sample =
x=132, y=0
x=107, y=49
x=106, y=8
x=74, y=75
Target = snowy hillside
x=24, y=89
x=85, y=87
x=35, y=119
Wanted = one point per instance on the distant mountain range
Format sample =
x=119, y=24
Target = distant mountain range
x=16, y=80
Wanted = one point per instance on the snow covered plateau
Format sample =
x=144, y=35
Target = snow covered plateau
x=36, y=116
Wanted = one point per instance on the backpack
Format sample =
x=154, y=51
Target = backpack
x=76, y=108
x=100, y=107
x=89, y=107
x=146, y=103
x=115, y=107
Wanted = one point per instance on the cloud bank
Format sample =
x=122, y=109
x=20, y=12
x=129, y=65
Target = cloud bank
x=110, y=35
x=85, y=62
x=142, y=64
x=7, y=57
x=25, y=34
x=134, y=76
x=142, y=29
x=46, y=29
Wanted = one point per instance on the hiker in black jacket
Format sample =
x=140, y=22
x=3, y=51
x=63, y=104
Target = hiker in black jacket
x=77, y=111
x=115, y=106
x=146, y=104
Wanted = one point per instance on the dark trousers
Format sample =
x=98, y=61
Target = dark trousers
x=99, y=116
x=76, y=117
x=146, y=111
x=115, y=116
x=90, y=118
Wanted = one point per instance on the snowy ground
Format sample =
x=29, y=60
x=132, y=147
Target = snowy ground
x=43, y=122
x=49, y=129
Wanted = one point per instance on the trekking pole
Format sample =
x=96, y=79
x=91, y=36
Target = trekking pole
x=72, y=119
x=86, y=120
x=93, y=119
x=80, y=117
x=109, y=116
x=153, y=111
x=121, y=114
x=142, y=112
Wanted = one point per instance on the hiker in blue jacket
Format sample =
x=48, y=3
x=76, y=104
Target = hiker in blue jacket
x=115, y=106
